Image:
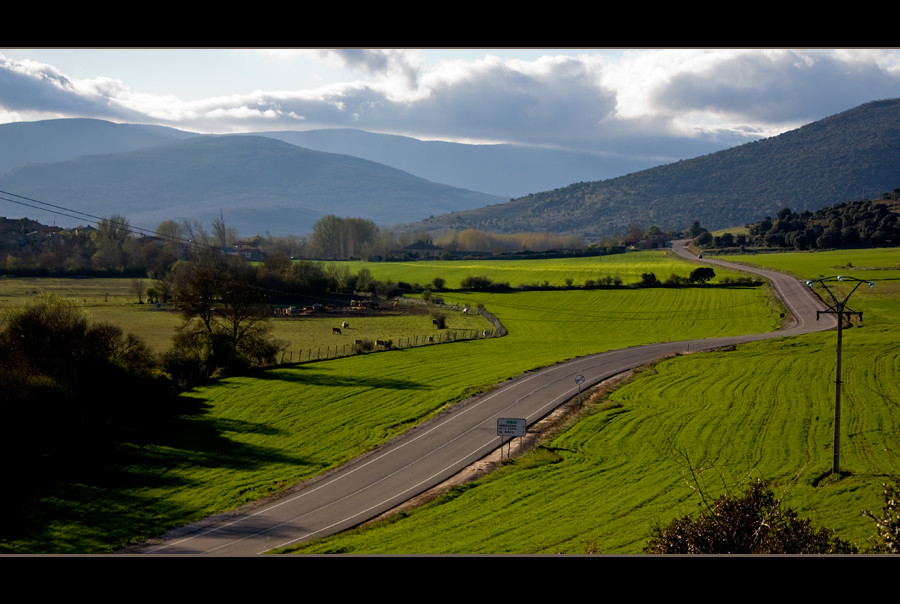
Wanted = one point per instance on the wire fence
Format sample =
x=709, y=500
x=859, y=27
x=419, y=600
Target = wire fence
x=444, y=336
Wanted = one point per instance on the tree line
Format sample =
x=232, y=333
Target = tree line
x=863, y=223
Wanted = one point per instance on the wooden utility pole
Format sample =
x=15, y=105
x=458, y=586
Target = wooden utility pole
x=840, y=309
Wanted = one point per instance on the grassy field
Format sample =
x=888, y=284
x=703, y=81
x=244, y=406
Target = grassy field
x=628, y=267
x=710, y=421
x=250, y=436
x=112, y=300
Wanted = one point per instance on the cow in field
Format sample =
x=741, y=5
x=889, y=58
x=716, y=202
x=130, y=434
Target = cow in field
x=335, y=330
x=345, y=325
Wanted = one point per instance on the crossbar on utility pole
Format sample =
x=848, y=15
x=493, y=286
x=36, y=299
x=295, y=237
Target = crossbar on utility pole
x=840, y=309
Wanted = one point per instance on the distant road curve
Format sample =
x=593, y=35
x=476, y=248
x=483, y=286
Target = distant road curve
x=428, y=454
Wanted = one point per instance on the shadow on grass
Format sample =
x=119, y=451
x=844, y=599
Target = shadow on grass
x=310, y=377
x=97, y=492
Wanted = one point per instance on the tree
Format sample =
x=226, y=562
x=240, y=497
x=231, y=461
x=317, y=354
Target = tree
x=137, y=288
x=704, y=238
x=226, y=316
x=223, y=235
x=58, y=370
x=696, y=229
x=751, y=523
x=649, y=280
x=114, y=247
x=702, y=274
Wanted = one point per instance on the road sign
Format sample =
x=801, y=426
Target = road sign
x=511, y=426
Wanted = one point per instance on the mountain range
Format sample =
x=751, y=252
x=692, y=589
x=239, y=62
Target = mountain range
x=283, y=182
x=256, y=183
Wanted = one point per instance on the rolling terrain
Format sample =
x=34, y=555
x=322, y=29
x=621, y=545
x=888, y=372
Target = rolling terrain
x=848, y=156
x=258, y=184
x=262, y=183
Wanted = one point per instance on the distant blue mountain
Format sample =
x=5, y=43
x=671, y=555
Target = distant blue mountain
x=505, y=170
x=65, y=139
x=257, y=183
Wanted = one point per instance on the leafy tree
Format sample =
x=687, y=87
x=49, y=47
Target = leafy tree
x=704, y=238
x=649, y=280
x=751, y=523
x=114, y=246
x=702, y=274
x=226, y=316
x=696, y=229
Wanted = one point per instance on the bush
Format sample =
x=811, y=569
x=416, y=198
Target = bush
x=363, y=346
x=751, y=523
x=887, y=526
x=476, y=283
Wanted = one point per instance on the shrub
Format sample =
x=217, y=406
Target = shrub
x=362, y=346
x=751, y=523
x=476, y=283
x=440, y=321
x=887, y=526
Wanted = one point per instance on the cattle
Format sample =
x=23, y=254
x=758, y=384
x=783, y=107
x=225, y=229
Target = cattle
x=434, y=322
x=379, y=342
x=465, y=310
x=335, y=330
x=431, y=339
x=345, y=325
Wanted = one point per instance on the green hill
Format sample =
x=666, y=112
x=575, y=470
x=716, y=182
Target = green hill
x=851, y=155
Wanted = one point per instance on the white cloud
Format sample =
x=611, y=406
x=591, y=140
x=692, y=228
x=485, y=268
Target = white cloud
x=640, y=101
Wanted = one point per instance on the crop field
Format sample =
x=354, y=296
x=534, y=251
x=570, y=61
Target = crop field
x=254, y=435
x=554, y=272
x=711, y=421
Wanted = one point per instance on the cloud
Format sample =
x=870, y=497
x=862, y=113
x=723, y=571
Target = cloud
x=779, y=87
x=664, y=103
x=38, y=91
x=386, y=64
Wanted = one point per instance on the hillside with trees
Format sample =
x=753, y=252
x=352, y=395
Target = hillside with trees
x=851, y=155
x=864, y=223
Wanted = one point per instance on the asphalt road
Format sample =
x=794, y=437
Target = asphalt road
x=435, y=451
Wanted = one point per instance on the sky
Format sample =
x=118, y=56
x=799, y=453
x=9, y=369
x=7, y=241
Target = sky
x=663, y=102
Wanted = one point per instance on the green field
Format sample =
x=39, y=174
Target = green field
x=712, y=421
x=254, y=435
x=554, y=272
x=614, y=474
x=107, y=299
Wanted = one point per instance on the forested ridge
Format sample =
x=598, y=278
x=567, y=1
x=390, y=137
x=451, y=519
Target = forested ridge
x=863, y=223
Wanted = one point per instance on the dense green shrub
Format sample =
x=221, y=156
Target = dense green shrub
x=751, y=523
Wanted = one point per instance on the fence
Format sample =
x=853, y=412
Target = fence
x=442, y=337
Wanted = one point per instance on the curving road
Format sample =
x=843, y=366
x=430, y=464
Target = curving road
x=435, y=451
